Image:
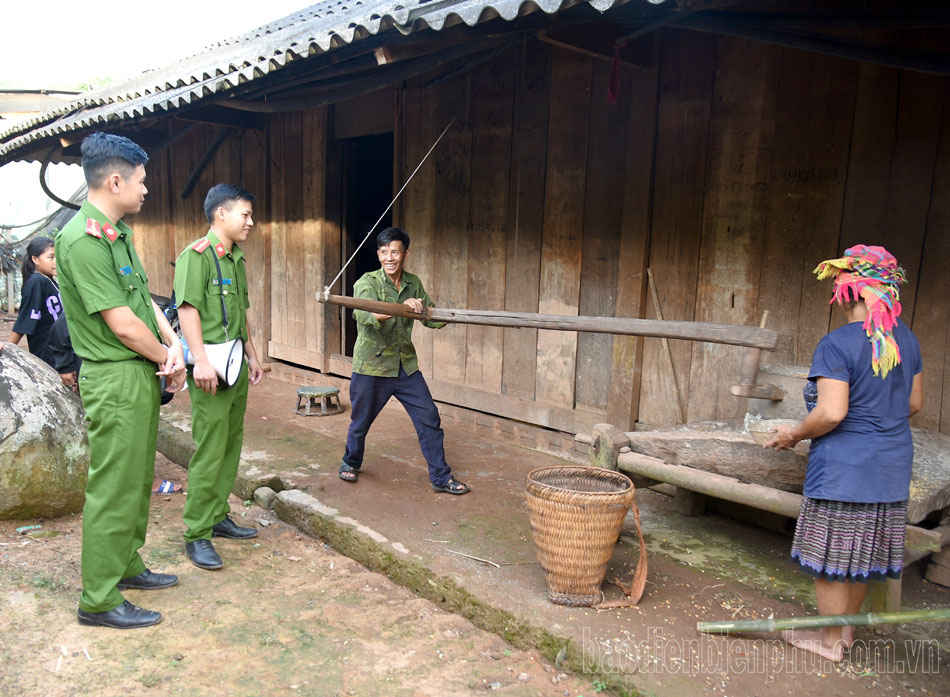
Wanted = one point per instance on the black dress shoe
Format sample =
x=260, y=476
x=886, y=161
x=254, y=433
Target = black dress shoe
x=202, y=554
x=126, y=616
x=147, y=581
x=228, y=528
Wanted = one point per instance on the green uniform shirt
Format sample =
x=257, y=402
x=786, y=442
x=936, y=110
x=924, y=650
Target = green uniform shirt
x=382, y=346
x=196, y=283
x=98, y=269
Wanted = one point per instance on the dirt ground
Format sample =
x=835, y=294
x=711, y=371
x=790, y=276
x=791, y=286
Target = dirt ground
x=286, y=616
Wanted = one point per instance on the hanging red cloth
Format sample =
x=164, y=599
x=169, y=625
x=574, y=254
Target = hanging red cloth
x=614, y=86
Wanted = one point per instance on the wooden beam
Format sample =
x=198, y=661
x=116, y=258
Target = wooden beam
x=331, y=91
x=888, y=56
x=694, y=331
x=902, y=19
x=223, y=116
x=204, y=162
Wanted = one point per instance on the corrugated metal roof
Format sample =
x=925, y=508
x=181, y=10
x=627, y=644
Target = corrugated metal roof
x=223, y=66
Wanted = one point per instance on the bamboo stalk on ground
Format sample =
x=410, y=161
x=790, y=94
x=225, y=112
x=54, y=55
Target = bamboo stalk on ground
x=860, y=620
x=732, y=334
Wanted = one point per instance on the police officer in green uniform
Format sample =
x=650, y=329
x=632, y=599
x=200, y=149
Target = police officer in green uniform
x=217, y=411
x=119, y=333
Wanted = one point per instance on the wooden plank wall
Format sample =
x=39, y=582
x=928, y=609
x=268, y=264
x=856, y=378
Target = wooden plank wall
x=727, y=168
x=748, y=165
x=168, y=223
x=299, y=264
x=518, y=227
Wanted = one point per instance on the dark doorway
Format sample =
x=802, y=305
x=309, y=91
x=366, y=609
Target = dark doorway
x=367, y=191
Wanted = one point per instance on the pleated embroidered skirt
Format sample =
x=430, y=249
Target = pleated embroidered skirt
x=846, y=541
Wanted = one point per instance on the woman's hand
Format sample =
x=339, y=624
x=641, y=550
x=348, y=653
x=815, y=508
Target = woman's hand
x=69, y=380
x=783, y=439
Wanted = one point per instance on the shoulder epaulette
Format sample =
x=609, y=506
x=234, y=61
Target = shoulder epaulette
x=201, y=245
x=93, y=228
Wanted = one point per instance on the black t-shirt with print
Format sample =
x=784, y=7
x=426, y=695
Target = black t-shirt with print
x=40, y=305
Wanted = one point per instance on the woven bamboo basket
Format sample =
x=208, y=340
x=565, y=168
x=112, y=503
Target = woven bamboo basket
x=576, y=515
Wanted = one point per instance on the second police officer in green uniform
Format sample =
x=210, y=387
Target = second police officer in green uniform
x=118, y=331
x=217, y=411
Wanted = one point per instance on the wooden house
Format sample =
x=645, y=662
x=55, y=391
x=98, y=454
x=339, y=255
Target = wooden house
x=742, y=143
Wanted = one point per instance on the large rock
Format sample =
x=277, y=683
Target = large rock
x=44, y=453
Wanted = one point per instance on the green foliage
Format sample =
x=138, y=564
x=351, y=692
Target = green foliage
x=95, y=84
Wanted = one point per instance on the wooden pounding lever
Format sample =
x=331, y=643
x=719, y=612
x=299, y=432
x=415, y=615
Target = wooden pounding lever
x=749, y=373
x=752, y=337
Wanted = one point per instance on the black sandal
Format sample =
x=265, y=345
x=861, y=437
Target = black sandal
x=452, y=486
x=348, y=473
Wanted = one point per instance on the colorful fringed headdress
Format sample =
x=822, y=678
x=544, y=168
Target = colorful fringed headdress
x=870, y=274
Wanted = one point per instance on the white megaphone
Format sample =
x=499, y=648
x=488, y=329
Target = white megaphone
x=227, y=359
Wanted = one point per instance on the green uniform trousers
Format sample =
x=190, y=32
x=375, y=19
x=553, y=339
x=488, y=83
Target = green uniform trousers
x=217, y=426
x=121, y=399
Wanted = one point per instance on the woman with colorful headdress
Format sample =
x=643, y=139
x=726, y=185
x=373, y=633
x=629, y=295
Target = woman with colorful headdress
x=863, y=386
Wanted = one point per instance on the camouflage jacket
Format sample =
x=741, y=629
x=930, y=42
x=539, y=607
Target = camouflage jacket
x=382, y=346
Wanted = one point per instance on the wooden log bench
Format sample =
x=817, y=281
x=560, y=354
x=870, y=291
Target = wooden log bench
x=610, y=448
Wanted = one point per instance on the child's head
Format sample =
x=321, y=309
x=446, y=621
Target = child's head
x=39, y=257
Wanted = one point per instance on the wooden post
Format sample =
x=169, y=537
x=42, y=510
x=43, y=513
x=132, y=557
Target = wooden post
x=688, y=502
x=5, y=236
x=11, y=308
x=666, y=348
x=606, y=442
x=884, y=596
x=749, y=373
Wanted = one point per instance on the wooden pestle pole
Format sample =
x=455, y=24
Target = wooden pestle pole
x=735, y=335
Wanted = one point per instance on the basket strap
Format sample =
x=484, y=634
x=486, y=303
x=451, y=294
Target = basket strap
x=634, y=590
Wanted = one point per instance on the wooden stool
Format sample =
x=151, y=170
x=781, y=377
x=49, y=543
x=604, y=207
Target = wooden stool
x=327, y=397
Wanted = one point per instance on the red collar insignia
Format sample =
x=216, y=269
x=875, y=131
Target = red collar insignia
x=220, y=250
x=110, y=232
x=92, y=228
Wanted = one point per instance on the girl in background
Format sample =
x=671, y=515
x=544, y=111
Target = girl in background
x=40, y=304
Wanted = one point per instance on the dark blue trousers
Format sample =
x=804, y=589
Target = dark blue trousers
x=368, y=396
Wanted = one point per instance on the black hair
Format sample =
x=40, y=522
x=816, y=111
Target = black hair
x=103, y=153
x=37, y=246
x=392, y=234
x=224, y=195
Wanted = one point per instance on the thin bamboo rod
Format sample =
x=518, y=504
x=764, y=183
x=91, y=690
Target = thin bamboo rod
x=774, y=625
x=692, y=331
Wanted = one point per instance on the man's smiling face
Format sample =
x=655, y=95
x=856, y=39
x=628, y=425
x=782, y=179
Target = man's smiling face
x=392, y=257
